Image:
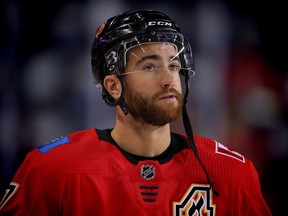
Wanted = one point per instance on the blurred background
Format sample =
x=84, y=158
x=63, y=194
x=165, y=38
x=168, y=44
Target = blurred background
x=239, y=95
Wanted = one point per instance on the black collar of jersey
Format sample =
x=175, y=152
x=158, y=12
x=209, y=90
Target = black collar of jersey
x=178, y=143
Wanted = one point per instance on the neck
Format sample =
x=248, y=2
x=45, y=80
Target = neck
x=139, y=138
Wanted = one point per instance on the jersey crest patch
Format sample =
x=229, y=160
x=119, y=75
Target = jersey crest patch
x=45, y=148
x=223, y=150
x=147, y=172
x=196, y=201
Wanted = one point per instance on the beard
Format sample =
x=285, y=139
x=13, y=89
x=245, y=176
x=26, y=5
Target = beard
x=145, y=109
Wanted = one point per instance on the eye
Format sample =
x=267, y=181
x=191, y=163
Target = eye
x=174, y=67
x=149, y=68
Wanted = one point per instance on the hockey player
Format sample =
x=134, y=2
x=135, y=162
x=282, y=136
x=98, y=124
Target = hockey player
x=138, y=167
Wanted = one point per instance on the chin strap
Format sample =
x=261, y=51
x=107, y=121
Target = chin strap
x=189, y=132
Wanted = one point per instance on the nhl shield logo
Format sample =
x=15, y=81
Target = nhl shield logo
x=147, y=172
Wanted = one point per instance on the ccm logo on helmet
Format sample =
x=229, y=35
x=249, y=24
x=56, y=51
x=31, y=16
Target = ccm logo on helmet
x=159, y=23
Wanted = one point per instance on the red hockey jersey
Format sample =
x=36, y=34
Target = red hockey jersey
x=86, y=173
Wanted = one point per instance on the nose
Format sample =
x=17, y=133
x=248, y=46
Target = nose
x=168, y=78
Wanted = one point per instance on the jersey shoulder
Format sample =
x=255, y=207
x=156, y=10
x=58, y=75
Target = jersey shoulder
x=225, y=164
x=218, y=150
x=73, y=140
x=78, y=152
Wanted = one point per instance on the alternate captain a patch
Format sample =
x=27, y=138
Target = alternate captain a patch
x=57, y=142
x=196, y=201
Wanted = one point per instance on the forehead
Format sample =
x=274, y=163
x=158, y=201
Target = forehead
x=157, y=47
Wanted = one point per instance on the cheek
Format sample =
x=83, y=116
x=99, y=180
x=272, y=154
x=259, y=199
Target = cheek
x=134, y=84
x=149, y=84
x=139, y=83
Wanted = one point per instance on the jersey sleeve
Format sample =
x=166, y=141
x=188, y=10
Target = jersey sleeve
x=24, y=194
x=257, y=205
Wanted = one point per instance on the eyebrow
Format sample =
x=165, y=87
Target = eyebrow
x=156, y=57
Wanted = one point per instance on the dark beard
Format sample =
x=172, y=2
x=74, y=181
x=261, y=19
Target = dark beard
x=145, y=110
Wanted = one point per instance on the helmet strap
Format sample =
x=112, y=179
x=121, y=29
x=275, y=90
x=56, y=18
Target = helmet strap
x=121, y=101
x=190, y=136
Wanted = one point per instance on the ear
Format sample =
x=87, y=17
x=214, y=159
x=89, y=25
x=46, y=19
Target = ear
x=113, y=85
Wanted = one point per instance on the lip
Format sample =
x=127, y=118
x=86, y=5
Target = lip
x=168, y=96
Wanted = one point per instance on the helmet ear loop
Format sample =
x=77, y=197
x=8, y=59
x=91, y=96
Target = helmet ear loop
x=110, y=101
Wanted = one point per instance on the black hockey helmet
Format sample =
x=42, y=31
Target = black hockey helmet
x=119, y=33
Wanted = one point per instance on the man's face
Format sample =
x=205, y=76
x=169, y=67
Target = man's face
x=153, y=93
